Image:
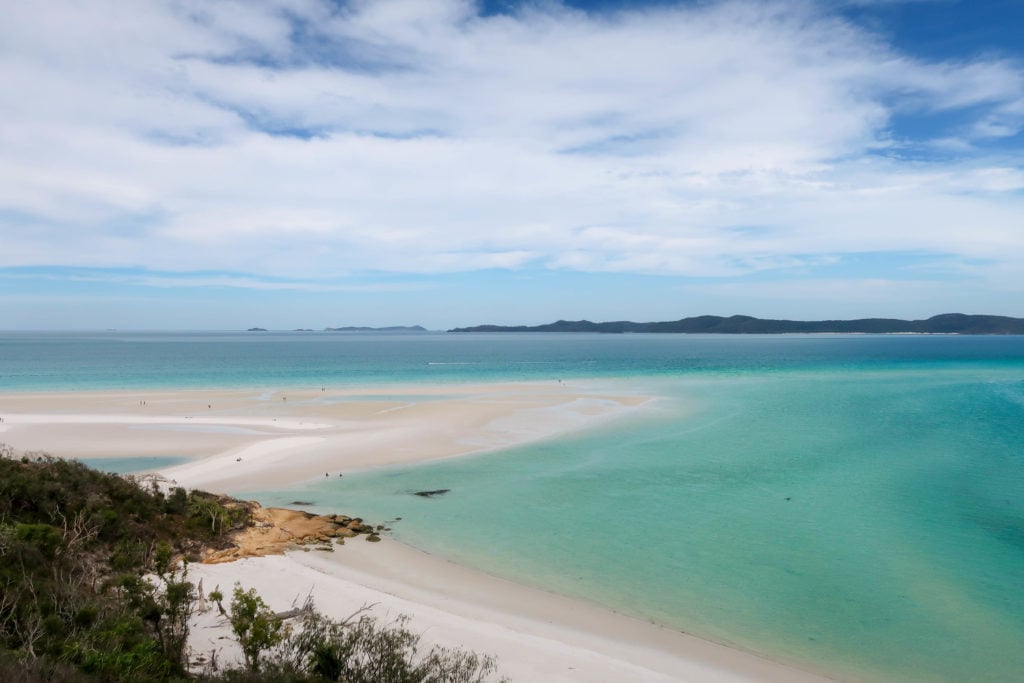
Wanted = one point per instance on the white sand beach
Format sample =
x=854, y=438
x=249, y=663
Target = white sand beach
x=247, y=440
x=535, y=635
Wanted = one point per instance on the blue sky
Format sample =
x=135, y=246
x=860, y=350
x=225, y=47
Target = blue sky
x=201, y=164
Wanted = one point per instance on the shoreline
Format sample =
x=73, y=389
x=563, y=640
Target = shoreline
x=535, y=635
x=242, y=440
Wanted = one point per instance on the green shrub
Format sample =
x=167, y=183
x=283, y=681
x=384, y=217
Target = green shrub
x=254, y=625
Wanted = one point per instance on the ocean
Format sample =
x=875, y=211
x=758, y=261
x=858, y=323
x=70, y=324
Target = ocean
x=851, y=503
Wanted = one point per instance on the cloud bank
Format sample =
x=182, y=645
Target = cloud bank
x=315, y=139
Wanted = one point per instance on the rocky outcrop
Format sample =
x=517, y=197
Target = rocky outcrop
x=274, y=530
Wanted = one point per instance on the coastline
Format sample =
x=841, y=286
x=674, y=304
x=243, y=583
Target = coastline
x=535, y=635
x=241, y=440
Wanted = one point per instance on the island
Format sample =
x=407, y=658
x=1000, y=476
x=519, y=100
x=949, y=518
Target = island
x=947, y=323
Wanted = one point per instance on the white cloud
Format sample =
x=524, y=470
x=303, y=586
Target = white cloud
x=148, y=135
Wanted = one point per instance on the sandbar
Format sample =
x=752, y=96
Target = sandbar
x=246, y=440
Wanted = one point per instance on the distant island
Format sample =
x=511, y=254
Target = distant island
x=396, y=328
x=948, y=323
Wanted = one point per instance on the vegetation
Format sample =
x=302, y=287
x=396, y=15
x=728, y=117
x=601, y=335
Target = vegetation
x=75, y=547
x=255, y=626
x=362, y=650
x=90, y=591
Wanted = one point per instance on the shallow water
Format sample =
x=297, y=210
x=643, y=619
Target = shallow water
x=851, y=502
x=871, y=524
x=138, y=465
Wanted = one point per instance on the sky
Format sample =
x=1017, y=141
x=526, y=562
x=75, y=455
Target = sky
x=223, y=164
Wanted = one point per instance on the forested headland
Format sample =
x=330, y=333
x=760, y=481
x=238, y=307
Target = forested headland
x=94, y=586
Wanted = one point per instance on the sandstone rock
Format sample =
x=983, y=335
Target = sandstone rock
x=274, y=530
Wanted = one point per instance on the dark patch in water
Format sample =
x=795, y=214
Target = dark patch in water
x=431, y=494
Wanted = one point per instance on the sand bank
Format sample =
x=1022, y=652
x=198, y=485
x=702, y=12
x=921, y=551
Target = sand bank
x=250, y=440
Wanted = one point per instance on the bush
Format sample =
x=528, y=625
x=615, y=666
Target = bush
x=254, y=625
x=361, y=649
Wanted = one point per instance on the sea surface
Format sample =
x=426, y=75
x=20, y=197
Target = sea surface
x=852, y=503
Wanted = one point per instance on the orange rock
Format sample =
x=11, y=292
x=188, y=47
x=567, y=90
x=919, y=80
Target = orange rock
x=273, y=530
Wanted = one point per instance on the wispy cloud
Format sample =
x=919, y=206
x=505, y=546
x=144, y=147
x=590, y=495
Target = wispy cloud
x=314, y=140
x=166, y=280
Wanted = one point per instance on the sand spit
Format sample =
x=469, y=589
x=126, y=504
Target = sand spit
x=254, y=440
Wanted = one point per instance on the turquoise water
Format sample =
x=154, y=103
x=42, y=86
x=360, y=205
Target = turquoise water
x=138, y=465
x=117, y=360
x=855, y=503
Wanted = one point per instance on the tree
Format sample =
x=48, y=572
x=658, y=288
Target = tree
x=254, y=625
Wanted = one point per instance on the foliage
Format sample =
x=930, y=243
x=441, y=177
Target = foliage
x=89, y=591
x=254, y=625
x=75, y=545
x=40, y=489
x=361, y=649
